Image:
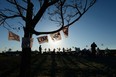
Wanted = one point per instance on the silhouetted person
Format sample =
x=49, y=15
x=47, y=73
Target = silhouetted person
x=70, y=49
x=77, y=49
x=54, y=50
x=63, y=49
x=45, y=49
x=40, y=49
x=67, y=50
x=49, y=49
x=98, y=51
x=93, y=48
x=59, y=49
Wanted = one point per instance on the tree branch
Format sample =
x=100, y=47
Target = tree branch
x=50, y=32
x=69, y=12
x=12, y=2
x=62, y=17
x=42, y=10
x=85, y=5
x=18, y=7
x=75, y=14
x=19, y=10
x=92, y=3
x=7, y=17
x=52, y=2
x=9, y=10
x=4, y=17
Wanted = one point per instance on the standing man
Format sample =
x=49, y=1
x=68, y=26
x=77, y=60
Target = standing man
x=93, y=48
x=40, y=49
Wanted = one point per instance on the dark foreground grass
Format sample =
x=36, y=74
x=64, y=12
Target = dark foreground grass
x=61, y=65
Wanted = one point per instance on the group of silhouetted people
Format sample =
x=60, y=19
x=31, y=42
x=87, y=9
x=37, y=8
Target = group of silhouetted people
x=93, y=52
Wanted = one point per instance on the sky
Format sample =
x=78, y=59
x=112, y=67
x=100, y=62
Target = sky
x=97, y=25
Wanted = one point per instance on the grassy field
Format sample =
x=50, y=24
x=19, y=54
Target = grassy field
x=61, y=65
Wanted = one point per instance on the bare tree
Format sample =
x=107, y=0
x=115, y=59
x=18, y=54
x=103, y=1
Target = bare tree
x=63, y=12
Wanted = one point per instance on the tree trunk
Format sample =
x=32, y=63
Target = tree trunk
x=25, y=68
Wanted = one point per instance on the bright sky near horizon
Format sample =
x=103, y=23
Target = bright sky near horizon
x=97, y=25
